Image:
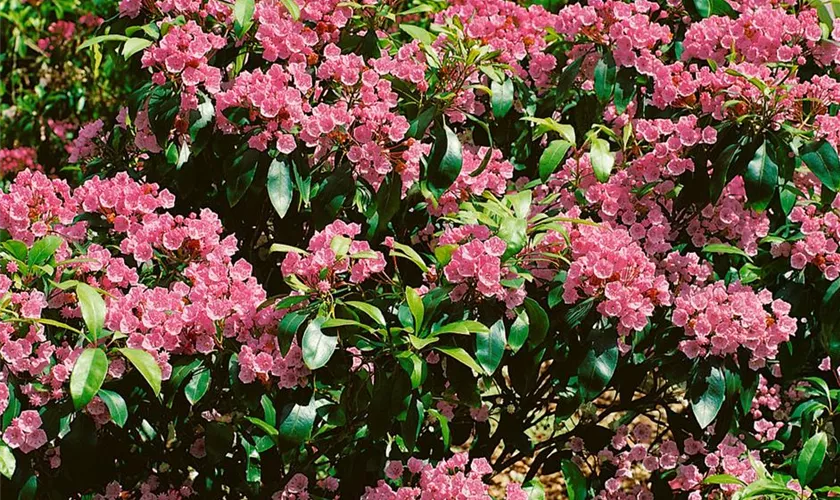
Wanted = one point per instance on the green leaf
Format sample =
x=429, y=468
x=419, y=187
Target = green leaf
x=464, y=327
x=43, y=249
x=534, y=489
x=723, y=479
x=605, y=75
x=269, y=410
x=29, y=489
x=133, y=46
x=821, y=158
x=419, y=34
x=101, y=38
x=7, y=461
x=88, y=375
x=502, y=99
x=514, y=232
x=296, y=422
x=724, y=248
x=243, y=16
x=445, y=160
x=552, y=156
x=461, y=355
x=93, y=309
x=444, y=427
x=519, y=331
x=368, y=309
x=598, y=366
x=317, y=347
x=279, y=187
x=708, y=394
x=146, y=365
x=415, y=305
x=761, y=177
x=625, y=90
x=602, y=159
x=537, y=319
x=116, y=406
x=236, y=189
x=575, y=481
x=811, y=458
x=264, y=426
x=490, y=347
x=16, y=249
x=197, y=387
x=414, y=366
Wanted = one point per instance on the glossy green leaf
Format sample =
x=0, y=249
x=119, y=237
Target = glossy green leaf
x=279, y=187
x=372, y=311
x=93, y=309
x=317, y=346
x=821, y=158
x=602, y=159
x=415, y=305
x=296, y=422
x=43, y=249
x=490, y=347
x=134, y=45
x=146, y=365
x=761, y=177
x=243, y=16
x=605, y=75
x=197, y=387
x=707, y=395
x=445, y=160
x=7, y=461
x=519, y=331
x=811, y=458
x=598, y=365
x=87, y=376
x=116, y=406
x=575, y=481
x=502, y=99
x=462, y=356
x=419, y=34
x=552, y=156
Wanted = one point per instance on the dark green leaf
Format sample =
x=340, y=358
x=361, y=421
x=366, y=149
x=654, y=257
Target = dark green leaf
x=88, y=375
x=116, y=406
x=605, y=75
x=296, y=422
x=598, y=366
x=811, y=458
x=197, y=387
x=625, y=90
x=445, y=160
x=317, y=347
x=235, y=189
x=415, y=305
x=490, y=347
x=93, y=309
x=552, y=156
x=279, y=187
x=708, y=394
x=821, y=158
x=575, y=481
x=761, y=177
x=146, y=365
x=502, y=99
x=43, y=249
x=519, y=331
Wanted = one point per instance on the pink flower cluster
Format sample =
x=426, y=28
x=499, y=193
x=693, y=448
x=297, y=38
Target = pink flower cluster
x=184, y=52
x=819, y=247
x=477, y=265
x=609, y=266
x=85, y=144
x=457, y=477
x=332, y=253
x=25, y=432
x=493, y=178
x=719, y=319
x=208, y=299
x=14, y=160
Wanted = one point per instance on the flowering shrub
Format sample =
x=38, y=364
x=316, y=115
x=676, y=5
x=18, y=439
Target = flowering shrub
x=415, y=245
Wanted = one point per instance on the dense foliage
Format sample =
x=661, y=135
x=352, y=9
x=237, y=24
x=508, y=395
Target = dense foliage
x=389, y=250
